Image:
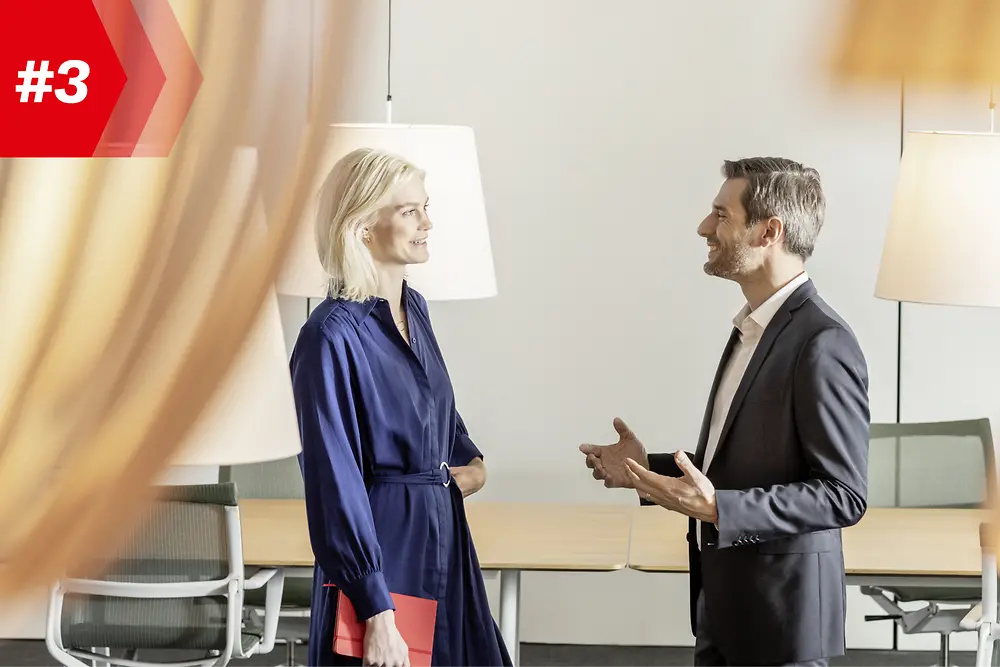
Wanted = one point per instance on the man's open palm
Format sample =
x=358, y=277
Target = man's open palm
x=608, y=461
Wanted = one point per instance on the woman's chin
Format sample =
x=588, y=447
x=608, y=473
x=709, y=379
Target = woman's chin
x=419, y=256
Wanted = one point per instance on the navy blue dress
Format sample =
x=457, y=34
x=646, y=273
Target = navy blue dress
x=378, y=419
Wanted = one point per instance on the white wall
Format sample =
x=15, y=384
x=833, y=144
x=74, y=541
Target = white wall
x=601, y=128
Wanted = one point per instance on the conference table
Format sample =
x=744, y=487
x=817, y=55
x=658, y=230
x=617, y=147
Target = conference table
x=509, y=538
x=900, y=546
x=889, y=546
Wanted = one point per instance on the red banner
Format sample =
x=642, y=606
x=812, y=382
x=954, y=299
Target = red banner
x=92, y=78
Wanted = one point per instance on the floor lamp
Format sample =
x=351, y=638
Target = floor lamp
x=251, y=417
x=942, y=246
x=943, y=242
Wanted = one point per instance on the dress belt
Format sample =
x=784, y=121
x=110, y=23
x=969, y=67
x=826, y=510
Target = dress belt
x=441, y=475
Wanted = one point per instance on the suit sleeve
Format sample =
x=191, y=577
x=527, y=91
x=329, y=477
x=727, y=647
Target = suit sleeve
x=664, y=464
x=341, y=527
x=832, y=419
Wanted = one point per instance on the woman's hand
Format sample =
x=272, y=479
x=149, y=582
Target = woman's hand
x=470, y=478
x=384, y=646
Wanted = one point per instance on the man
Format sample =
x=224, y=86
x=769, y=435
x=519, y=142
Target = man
x=782, y=461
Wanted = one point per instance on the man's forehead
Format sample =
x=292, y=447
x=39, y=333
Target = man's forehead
x=730, y=193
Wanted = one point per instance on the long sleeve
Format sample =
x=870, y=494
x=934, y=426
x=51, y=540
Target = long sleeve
x=464, y=449
x=341, y=527
x=664, y=464
x=832, y=418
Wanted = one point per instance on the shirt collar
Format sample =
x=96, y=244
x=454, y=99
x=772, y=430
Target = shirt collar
x=360, y=310
x=757, y=320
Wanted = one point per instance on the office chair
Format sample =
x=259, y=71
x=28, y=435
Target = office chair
x=278, y=479
x=933, y=464
x=178, y=584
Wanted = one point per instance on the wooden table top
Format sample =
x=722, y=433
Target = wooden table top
x=523, y=536
x=887, y=541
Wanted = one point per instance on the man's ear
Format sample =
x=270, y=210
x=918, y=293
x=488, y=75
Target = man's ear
x=772, y=231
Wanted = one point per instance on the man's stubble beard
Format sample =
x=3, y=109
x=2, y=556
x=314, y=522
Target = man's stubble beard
x=730, y=264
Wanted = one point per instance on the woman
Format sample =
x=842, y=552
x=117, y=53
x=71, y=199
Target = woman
x=386, y=458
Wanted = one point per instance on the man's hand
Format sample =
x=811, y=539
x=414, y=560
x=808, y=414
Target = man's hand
x=692, y=495
x=469, y=478
x=608, y=461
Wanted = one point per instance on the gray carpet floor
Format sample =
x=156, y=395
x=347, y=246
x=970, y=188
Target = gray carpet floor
x=32, y=653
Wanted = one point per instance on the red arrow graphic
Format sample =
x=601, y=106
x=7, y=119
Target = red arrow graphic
x=182, y=73
x=66, y=74
x=144, y=82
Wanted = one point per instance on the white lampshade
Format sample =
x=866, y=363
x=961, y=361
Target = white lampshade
x=943, y=242
x=251, y=417
x=461, y=259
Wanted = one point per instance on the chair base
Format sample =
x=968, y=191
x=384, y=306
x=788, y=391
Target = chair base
x=290, y=653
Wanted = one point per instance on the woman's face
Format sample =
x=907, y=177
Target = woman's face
x=400, y=234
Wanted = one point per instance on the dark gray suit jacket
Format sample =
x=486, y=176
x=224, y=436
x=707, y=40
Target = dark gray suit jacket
x=790, y=470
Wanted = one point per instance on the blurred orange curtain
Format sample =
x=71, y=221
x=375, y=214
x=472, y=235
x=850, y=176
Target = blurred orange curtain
x=923, y=41
x=127, y=286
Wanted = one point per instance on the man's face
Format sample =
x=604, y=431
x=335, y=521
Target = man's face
x=732, y=251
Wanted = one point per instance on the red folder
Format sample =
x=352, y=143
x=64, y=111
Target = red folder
x=415, y=618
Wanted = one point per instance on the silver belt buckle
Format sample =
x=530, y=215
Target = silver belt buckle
x=444, y=464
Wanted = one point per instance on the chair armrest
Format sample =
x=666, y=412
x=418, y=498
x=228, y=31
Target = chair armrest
x=121, y=589
x=259, y=578
x=878, y=594
x=972, y=619
x=275, y=581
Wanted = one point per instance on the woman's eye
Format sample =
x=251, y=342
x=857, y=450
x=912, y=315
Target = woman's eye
x=410, y=211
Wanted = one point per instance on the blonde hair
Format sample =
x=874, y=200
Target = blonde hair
x=357, y=187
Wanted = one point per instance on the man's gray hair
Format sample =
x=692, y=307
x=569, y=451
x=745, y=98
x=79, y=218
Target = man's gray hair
x=781, y=188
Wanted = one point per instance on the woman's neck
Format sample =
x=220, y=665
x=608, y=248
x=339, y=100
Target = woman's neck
x=390, y=286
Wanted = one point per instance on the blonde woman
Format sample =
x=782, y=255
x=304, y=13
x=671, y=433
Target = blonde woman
x=386, y=458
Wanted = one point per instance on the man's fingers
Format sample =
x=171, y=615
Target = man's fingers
x=621, y=427
x=638, y=469
x=638, y=483
x=591, y=450
x=686, y=466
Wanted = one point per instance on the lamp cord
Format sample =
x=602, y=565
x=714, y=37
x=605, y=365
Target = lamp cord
x=899, y=336
x=388, y=77
x=993, y=107
x=899, y=304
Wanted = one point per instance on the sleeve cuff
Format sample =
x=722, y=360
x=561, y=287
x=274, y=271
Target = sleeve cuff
x=726, y=503
x=369, y=595
x=664, y=464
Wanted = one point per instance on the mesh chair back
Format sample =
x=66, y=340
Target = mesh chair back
x=931, y=464
x=183, y=539
x=271, y=479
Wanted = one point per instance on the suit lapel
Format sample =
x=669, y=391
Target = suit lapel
x=699, y=455
x=780, y=321
x=774, y=328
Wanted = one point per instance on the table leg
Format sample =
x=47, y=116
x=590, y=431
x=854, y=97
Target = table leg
x=510, y=601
